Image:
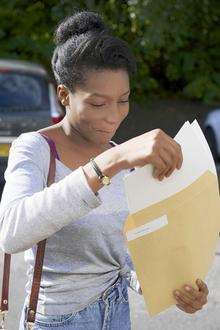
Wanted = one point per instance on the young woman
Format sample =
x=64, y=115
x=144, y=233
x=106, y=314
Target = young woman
x=86, y=267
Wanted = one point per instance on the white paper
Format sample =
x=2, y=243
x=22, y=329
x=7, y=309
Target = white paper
x=147, y=228
x=143, y=190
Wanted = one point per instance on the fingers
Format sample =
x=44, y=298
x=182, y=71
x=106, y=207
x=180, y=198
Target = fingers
x=187, y=300
x=202, y=286
x=191, y=300
x=171, y=158
x=176, y=148
x=159, y=166
x=186, y=309
x=174, y=159
x=167, y=155
x=180, y=162
x=174, y=143
x=169, y=162
x=157, y=171
x=199, y=296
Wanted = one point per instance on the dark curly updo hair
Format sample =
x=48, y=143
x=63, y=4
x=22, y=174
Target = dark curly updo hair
x=84, y=43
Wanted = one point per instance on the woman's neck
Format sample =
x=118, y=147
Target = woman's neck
x=73, y=136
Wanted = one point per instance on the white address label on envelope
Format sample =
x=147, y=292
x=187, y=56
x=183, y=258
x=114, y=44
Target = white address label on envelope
x=147, y=228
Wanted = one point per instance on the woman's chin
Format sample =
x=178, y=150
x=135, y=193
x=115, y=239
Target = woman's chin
x=104, y=137
x=103, y=142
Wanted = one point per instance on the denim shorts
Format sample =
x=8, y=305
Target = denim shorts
x=109, y=312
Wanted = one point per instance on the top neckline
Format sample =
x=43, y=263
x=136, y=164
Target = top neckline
x=58, y=159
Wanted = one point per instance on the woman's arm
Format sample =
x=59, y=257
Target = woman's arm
x=31, y=212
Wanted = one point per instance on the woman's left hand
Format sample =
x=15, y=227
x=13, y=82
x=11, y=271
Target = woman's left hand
x=190, y=300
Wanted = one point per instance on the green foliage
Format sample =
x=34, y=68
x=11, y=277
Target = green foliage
x=176, y=43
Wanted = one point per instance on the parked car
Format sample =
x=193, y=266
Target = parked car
x=28, y=102
x=212, y=132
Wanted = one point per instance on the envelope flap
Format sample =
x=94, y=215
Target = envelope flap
x=205, y=181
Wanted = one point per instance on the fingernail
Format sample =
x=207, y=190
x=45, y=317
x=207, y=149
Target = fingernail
x=177, y=293
x=187, y=288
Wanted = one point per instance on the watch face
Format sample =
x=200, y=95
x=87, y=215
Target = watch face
x=106, y=180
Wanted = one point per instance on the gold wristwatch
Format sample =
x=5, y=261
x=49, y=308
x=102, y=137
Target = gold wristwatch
x=103, y=178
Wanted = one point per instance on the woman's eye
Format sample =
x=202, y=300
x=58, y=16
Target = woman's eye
x=97, y=105
x=126, y=101
x=103, y=104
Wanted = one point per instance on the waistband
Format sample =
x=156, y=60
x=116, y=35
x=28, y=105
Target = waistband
x=115, y=291
x=125, y=271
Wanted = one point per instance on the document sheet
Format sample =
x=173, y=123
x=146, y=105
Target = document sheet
x=173, y=225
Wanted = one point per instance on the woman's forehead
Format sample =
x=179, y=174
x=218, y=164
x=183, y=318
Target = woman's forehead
x=106, y=83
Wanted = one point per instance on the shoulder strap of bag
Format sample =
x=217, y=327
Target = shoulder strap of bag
x=38, y=262
x=31, y=310
x=5, y=285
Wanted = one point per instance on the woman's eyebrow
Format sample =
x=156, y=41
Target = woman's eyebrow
x=107, y=96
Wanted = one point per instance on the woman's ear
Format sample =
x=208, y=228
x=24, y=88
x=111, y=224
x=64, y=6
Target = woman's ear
x=63, y=95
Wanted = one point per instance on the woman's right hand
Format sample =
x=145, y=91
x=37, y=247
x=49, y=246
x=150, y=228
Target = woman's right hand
x=154, y=147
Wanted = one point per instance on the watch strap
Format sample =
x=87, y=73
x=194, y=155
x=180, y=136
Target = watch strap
x=96, y=168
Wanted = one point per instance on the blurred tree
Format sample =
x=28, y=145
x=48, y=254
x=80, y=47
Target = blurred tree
x=176, y=43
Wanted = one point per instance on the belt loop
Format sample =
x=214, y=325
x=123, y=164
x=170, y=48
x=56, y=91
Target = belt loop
x=105, y=294
x=108, y=290
x=105, y=321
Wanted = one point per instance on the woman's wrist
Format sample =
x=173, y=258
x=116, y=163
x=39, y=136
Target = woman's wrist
x=110, y=163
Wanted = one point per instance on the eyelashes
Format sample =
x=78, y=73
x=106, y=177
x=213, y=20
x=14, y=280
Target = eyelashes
x=102, y=105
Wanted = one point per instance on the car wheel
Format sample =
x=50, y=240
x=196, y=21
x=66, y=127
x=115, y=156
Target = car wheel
x=210, y=136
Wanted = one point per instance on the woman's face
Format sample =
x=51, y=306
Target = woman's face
x=96, y=110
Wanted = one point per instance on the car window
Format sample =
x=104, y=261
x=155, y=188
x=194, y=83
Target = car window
x=24, y=91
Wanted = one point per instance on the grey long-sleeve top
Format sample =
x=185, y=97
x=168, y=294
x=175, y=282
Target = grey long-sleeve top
x=85, y=248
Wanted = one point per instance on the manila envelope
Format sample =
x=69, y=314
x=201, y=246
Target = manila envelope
x=173, y=241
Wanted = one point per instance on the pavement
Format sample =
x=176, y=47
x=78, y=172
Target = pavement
x=172, y=319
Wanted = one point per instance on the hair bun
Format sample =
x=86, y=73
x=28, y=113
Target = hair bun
x=77, y=24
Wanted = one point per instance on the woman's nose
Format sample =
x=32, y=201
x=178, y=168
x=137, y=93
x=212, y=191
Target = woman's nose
x=113, y=116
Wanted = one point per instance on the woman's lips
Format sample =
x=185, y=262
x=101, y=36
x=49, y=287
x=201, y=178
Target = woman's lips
x=99, y=130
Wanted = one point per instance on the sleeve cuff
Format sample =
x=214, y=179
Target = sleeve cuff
x=90, y=198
